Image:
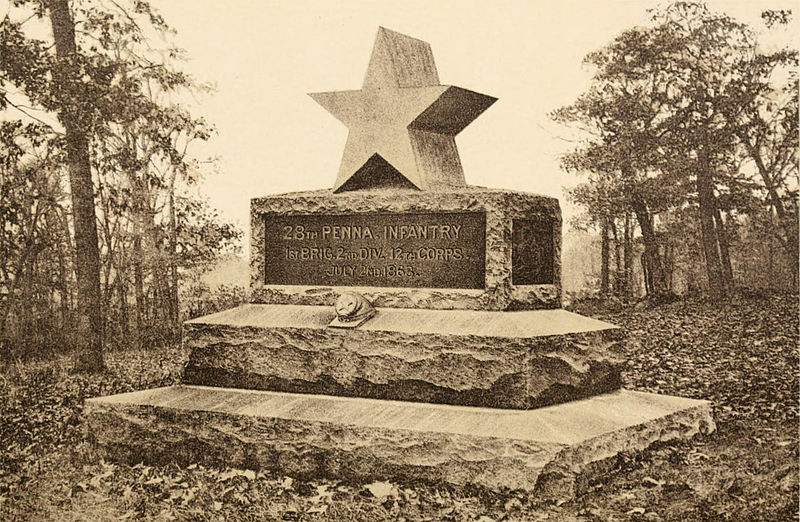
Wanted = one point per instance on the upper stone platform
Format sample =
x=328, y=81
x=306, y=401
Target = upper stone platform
x=521, y=359
x=469, y=248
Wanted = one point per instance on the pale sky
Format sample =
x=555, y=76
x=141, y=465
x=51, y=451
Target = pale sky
x=264, y=56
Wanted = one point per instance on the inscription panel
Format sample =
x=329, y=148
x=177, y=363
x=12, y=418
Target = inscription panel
x=532, y=252
x=430, y=250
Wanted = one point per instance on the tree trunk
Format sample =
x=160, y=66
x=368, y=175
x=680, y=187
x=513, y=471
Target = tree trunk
x=106, y=262
x=138, y=207
x=173, y=258
x=68, y=254
x=655, y=269
x=53, y=221
x=63, y=287
x=647, y=276
x=124, y=315
x=770, y=265
x=87, y=258
x=669, y=265
x=604, y=257
x=708, y=233
x=158, y=305
x=724, y=246
x=628, y=256
x=617, y=259
x=788, y=225
x=138, y=276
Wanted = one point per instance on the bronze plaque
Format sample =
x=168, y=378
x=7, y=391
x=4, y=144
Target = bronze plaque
x=430, y=250
x=532, y=252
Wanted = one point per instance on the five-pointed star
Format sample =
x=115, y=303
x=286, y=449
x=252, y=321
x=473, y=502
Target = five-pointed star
x=402, y=117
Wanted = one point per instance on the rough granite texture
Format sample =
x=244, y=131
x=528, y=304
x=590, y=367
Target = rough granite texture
x=298, y=353
x=553, y=452
x=500, y=206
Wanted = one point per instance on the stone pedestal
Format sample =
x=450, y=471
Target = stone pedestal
x=552, y=451
x=467, y=373
x=522, y=359
x=522, y=400
x=512, y=223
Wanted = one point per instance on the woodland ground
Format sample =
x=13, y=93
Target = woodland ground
x=742, y=355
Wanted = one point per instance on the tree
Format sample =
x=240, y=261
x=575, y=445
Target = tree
x=125, y=137
x=76, y=86
x=728, y=105
x=622, y=155
x=669, y=109
x=74, y=114
x=604, y=205
x=36, y=264
x=763, y=113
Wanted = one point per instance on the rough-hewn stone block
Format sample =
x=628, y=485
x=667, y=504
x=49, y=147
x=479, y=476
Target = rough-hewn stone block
x=501, y=208
x=552, y=451
x=524, y=359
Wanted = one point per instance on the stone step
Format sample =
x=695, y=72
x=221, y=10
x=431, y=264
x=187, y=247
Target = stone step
x=518, y=359
x=552, y=450
x=520, y=324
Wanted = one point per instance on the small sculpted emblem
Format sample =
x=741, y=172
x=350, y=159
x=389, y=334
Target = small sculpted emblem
x=352, y=310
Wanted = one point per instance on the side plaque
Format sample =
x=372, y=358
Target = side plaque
x=532, y=251
x=431, y=250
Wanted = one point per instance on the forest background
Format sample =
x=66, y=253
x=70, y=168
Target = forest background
x=680, y=158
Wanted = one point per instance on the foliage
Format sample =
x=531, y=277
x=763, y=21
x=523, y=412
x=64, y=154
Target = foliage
x=198, y=299
x=691, y=125
x=35, y=238
x=123, y=89
x=742, y=355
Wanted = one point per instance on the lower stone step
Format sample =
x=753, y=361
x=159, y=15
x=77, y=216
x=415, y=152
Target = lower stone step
x=553, y=451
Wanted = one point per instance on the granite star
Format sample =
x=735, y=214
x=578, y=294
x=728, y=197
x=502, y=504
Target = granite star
x=402, y=123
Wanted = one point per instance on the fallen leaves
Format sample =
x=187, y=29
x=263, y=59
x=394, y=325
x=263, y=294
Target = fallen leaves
x=650, y=482
x=228, y=474
x=742, y=356
x=382, y=490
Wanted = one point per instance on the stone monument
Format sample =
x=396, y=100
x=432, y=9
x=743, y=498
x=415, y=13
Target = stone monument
x=402, y=325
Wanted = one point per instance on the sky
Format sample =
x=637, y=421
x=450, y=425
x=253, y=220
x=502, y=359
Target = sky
x=264, y=56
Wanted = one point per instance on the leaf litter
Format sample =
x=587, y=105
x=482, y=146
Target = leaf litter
x=741, y=355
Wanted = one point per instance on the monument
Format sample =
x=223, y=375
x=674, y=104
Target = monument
x=402, y=325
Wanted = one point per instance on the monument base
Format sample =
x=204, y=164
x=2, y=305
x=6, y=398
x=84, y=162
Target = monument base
x=521, y=359
x=552, y=451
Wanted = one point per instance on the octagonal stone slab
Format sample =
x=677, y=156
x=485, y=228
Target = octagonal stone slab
x=552, y=451
x=522, y=359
